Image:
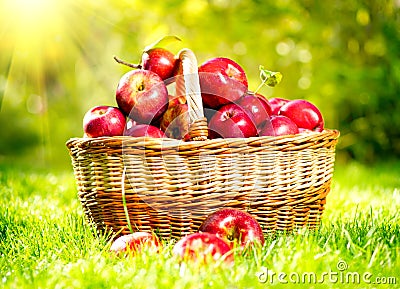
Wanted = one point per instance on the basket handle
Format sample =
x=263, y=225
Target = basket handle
x=189, y=85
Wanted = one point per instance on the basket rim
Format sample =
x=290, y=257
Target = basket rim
x=170, y=143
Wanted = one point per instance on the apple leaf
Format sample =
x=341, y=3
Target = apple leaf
x=162, y=42
x=270, y=78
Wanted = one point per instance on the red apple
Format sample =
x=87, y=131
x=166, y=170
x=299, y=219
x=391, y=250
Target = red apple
x=103, y=121
x=129, y=123
x=281, y=125
x=276, y=104
x=135, y=242
x=161, y=61
x=222, y=81
x=231, y=120
x=175, y=121
x=235, y=226
x=265, y=103
x=266, y=129
x=257, y=105
x=304, y=114
x=142, y=95
x=172, y=99
x=148, y=130
x=202, y=247
x=305, y=130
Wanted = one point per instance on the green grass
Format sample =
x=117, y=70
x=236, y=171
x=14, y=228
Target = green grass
x=45, y=243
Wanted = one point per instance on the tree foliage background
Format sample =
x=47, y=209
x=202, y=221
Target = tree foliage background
x=56, y=61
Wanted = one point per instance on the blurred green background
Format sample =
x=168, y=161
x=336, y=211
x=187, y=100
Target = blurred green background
x=56, y=61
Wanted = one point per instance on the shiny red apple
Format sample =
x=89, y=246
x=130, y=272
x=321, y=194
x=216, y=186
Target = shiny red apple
x=266, y=129
x=222, y=81
x=235, y=226
x=203, y=248
x=265, y=102
x=161, y=61
x=135, y=243
x=257, y=105
x=304, y=114
x=103, y=121
x=276, y=104
x=148, y=130
x=232, y=121
x=142, y=95
x=175, y=121
x=281, y=125
x=305, y=130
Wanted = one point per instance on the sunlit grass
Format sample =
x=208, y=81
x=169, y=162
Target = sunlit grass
x=357, y=189
x=45, y=242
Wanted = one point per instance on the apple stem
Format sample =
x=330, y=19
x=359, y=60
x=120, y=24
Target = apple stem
x=120, y=61
x=261, y=85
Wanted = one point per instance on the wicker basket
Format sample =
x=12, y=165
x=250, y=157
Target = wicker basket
x=168, y=186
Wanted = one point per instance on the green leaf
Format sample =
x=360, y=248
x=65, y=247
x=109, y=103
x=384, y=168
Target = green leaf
x=270, y=78
x=162, y=42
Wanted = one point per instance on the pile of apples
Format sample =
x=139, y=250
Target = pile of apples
x=220, y=234
x=145, y=107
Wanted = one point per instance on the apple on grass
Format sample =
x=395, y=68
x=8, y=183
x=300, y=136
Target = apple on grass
x=222, y=81
x=234, y=226
x=134, y=243
x=232, y=121
x=202, y=248
x=304, y=114
x=142, y=95
x=103, y=120
x=280, y=125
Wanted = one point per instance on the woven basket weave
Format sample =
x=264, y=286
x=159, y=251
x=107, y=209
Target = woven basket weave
x=168, y=186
